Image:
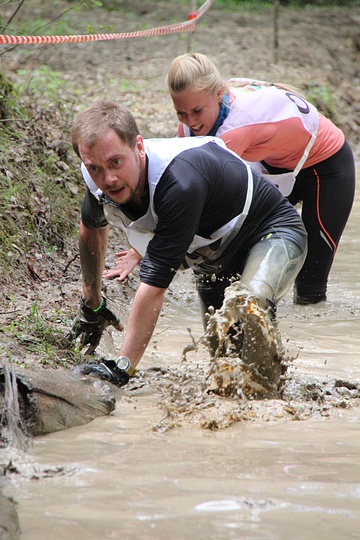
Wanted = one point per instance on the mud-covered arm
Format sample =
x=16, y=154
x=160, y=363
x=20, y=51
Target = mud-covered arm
x=144, y=314
x=94, y=315
x=92, y=246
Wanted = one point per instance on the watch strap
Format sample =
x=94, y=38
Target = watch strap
x=131, y=370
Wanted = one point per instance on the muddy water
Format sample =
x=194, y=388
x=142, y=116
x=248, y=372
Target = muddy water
x=276, y=477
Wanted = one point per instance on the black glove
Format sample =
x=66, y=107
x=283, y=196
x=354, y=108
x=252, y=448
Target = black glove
x=107, y=370
x=90, y=325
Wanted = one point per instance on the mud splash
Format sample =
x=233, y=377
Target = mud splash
x=248, y=355
x=249, y=376
x=184, y=397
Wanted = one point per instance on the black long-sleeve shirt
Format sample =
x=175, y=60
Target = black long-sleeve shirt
x=201, y=190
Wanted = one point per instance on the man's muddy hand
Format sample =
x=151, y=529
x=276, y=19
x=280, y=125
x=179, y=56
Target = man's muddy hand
x=89, y=325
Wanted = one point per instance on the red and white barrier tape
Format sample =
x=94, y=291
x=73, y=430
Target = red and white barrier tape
x=188, y=26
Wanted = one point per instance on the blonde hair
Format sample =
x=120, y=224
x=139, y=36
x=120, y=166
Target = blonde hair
x=94, y=122
x=198, y=72
x=195, y=71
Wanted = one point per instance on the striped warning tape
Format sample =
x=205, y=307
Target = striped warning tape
x=188, y=26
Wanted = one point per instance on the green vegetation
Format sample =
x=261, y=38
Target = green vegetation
x=38, y=336
x=43, y=81
x=34, y=181
x=320, y=3
x=39, y=26
x=39, y=213
x=9, y=103
x=321, y=96
x=257, y=4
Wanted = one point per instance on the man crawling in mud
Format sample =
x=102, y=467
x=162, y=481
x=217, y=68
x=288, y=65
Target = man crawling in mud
x=182, y=203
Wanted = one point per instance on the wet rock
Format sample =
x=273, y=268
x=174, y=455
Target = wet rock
x=51, y=400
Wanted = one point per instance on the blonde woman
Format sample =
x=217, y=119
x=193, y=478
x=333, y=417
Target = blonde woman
x=302, y=151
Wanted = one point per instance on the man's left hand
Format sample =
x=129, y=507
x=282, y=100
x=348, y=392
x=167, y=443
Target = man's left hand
x=89, y=325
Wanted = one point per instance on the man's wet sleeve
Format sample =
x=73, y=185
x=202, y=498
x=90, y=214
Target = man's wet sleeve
x=155, y=275
x=92, y=212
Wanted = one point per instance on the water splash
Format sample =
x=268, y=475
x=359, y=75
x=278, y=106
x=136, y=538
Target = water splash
x=248, y=357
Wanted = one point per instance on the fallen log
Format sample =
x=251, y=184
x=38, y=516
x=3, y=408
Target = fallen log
x=50, y=400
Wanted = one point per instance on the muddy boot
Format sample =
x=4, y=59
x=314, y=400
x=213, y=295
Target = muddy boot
x=249, y=353
x=262, y=349
x=224, y=333
x=228, y=345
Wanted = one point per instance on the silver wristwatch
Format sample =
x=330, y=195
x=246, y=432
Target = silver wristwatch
x=124, y=363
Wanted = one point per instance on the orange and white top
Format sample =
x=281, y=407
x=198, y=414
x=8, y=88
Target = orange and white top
x=269, y=124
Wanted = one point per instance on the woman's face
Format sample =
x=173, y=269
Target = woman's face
x=197, y=109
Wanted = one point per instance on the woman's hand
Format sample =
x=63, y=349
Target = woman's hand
x=125, y=262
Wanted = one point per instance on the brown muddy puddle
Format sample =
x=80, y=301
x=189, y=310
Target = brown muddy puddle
x=176, y=462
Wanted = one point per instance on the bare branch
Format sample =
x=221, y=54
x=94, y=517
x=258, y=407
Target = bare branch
x=13, y=15
x=39, y=27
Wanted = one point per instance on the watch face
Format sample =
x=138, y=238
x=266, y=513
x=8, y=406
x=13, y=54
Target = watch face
x=123, y=363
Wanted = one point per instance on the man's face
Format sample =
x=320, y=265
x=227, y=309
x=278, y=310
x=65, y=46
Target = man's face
x=115, y=167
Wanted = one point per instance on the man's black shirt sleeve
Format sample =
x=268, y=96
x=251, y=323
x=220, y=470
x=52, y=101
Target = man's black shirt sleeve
x=92, y=212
